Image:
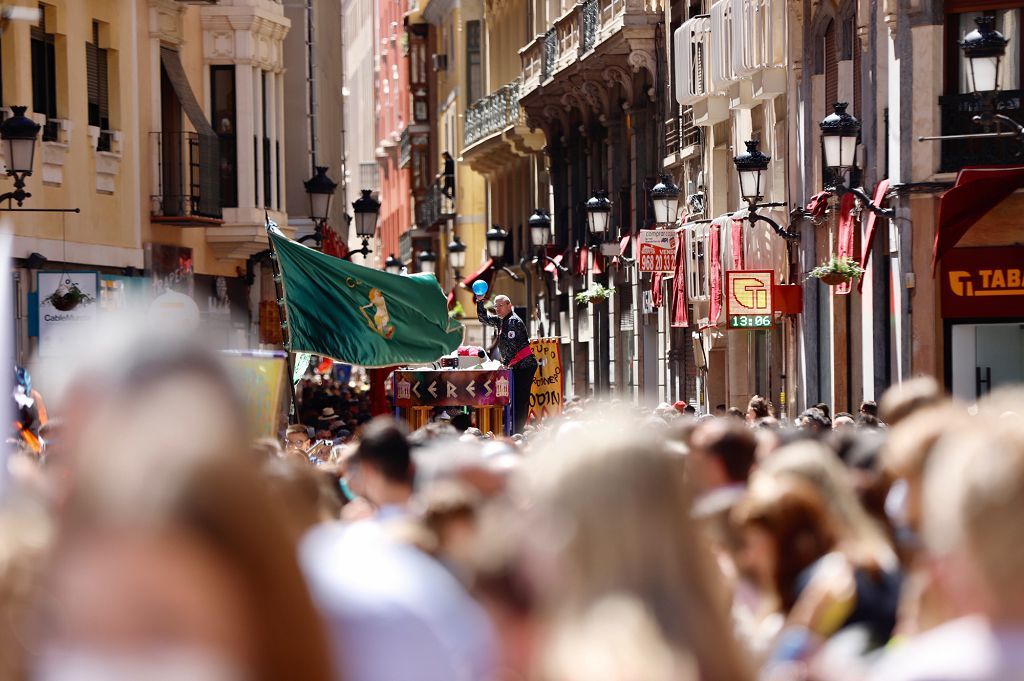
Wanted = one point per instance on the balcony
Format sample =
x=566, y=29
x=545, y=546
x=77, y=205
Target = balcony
x=496, y=133
x=580, y=33
x=493, y=114
x=435, y=207
x=682, y=137
x=187, y=182
x=957, y=114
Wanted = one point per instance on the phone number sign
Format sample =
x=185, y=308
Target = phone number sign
x=657, y=250
x=748, y=303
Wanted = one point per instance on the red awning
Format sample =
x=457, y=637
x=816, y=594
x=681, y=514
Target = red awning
x=869, y=228
x=485, y=273
x=624, y=245
x=976, y=192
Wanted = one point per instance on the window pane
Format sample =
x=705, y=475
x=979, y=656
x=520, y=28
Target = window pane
x=222, y=98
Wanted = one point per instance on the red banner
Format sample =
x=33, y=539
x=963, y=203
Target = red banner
x=452, y=388
x=983, y=282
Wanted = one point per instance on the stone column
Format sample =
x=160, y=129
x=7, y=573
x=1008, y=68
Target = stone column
x=246, y=131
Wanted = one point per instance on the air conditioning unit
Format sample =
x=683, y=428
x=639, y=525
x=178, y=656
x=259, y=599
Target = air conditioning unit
x=439, y=61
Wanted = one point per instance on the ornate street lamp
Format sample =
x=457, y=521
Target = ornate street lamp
x=496, y=240
x=599, y=210
x=665, y=195
x=393, y=265
x=752, y=167
x=18, y=134
x=984, y=48
x=320, y=189
x=367, y=210
x=840, y=134
x=428, y=261
x=540, y=228
x=456, y=255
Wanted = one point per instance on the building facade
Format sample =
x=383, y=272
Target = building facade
x=163, y=122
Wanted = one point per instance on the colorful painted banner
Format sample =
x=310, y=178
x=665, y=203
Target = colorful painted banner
x=546, y=396
x=261, y=379
x=657, y=250
x=452, y=388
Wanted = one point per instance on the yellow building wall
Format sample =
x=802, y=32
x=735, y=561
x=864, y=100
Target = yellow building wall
x=106, y=219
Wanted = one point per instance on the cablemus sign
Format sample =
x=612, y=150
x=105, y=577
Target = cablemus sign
x=657, y=250
x=983, y=282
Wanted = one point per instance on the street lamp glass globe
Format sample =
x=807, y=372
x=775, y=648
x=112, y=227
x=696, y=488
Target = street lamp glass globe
x=457, y=253
x=393, y=264
x=496, y=238
x=983, y=49
x=665, y=195
x=840, y=133
x=19, y=139
x=599, y=210
x=540, y=228
x=428, y=261
x=321, y=190
x=752, y=167
x=366, y=209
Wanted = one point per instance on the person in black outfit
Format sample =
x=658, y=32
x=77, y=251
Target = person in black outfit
x=514, y=348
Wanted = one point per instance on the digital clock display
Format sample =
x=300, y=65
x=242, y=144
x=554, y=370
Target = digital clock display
x=750, y=321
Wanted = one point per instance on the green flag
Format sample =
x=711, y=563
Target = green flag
x=361, y=315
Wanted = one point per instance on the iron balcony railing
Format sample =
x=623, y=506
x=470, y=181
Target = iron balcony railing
x=493, y=113
x=958, y=112
x=591, y=19
x=680, y=132
x=435, y=206
x=550, y=54
x=187, y=182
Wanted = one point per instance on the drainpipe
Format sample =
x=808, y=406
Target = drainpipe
x=310, y=70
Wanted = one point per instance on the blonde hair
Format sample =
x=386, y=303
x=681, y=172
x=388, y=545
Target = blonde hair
x=974, y=497
x=614, y=506
x=820, y=466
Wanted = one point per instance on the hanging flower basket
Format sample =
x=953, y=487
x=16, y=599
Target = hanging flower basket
x=837, y=271
x=68, y=296
x=594, y=294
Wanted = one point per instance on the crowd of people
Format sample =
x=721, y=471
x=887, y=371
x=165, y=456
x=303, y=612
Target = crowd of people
x=157, y=540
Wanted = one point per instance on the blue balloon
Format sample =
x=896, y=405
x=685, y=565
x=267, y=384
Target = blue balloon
x=480, y=287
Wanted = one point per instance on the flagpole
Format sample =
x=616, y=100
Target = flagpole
x=282, y=315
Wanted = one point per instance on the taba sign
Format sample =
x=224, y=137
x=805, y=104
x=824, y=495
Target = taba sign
x=452, y=388
x=748, y=299
x=982, y=282
x=546, y=395
x=67, y=305
x=657, y=250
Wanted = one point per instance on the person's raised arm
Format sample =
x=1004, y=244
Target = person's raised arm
x=481, y=314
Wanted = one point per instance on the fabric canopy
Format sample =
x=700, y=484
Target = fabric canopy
x=976, y=192
x=484, y=273
x=869, y=228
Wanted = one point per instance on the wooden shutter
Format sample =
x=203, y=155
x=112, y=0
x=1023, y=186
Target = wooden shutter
x=831, y=62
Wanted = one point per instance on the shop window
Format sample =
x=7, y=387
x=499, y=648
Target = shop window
x=223, y=103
